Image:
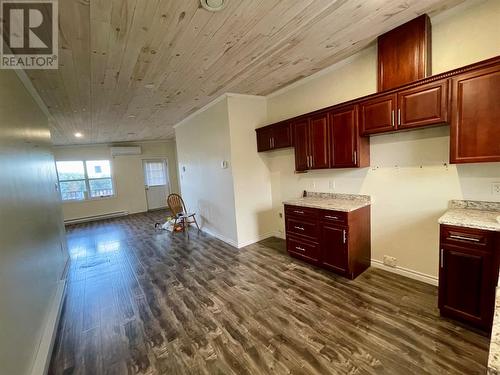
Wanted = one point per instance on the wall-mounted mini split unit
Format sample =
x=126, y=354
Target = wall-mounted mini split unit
x=213, y=5
x=123, y=151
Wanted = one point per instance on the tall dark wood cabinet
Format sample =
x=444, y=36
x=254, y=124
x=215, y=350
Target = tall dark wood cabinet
x=475, y=119
x=404, y=54
x=468, y=274
x=335, y=240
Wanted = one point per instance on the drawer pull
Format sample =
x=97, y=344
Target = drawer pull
x=299, y=212
x=299, y=228
x=331, y=217
x=456, y=237
x=442, y=259
x=299, y=248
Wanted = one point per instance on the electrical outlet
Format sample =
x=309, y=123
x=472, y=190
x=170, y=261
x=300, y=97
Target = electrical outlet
x=280, y=215
x=331, y=184
x=390, y=261
x=495, y=188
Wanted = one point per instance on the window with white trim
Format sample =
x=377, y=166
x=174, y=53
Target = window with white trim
x=81, y=180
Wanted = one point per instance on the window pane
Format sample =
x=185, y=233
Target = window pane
x=155, y=173
x=98, y=168
x=70, y=170
x=72, y=190
x=101, y=188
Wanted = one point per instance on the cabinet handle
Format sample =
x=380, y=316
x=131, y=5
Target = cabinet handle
x=299, y=228
x=456, y=237
x=300, y=248
x=270, y=143
x=344, y=233
x=355, y=157
x=399, y=116
x=273, y=141
x=441, y=260
x=392, y=118
x=308, y=164
x=331, y=217
x=298, y=212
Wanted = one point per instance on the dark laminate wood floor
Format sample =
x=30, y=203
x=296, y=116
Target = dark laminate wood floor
x=146, y=302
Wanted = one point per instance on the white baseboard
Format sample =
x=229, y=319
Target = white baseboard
x=44, y=353
x=259, y=238
x=416, y=275
x=220, y=237
x=87, y=219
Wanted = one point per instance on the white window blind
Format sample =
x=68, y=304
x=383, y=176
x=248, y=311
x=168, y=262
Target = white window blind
x=156, y=173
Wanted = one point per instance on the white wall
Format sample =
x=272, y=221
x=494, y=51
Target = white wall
x=32, y=241
x=202, y=144
x=252, y=183
x=408, y=180
x=127, y=173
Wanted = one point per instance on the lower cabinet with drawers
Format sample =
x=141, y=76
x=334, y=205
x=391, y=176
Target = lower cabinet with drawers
x=336, y=240
x=468, y=274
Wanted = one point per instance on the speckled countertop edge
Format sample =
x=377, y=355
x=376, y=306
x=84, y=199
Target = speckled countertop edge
x=472, y=214
x=331, y=201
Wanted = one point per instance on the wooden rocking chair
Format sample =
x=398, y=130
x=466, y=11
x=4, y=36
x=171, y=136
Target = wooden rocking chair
x=178, y=210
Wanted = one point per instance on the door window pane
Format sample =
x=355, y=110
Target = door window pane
x=98, y=168
x=101, y=188
x=73, y=190
x=70, y=170
x=155, y=173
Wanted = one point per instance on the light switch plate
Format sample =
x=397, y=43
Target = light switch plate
x=495, y=188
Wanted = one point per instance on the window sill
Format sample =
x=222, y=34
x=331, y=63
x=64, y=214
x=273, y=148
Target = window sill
x=89, y=200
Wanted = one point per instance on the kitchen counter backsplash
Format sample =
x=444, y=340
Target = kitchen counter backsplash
x=475, y=205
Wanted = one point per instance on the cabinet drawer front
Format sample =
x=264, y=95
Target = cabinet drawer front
x=302, y=228
x=304, y=249
x=333, y=216
x=305, y=212
x=467, y=237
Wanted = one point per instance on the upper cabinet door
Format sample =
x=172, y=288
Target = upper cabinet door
x=264, y=139
x=282, y=135
x=423, y=105
x=343, y=134
x=475, y=116
x=301, y=142
x=320, y=145
x=378, y=115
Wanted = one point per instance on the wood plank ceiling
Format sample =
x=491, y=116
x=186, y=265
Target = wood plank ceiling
x=131, y=69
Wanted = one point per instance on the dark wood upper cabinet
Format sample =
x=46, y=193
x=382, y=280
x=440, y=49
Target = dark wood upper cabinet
x=423, y=105
x=347, y=148
x=319, y=142
x=378, y=114
x=274, y=137
x=404, y=54
x=301, y=142
x=282, y=135
x=264, y=138
x=475, y=116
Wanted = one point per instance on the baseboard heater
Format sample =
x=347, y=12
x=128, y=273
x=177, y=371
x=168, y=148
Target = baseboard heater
x=96, y=217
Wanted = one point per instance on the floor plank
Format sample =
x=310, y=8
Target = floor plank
x=141, y=301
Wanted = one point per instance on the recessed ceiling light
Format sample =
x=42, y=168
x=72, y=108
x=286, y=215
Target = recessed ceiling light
x=132, y=116
x=149, y=86
x=213, y=5
x=78, y=135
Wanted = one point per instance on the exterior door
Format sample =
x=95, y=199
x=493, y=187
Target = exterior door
x=156, y=183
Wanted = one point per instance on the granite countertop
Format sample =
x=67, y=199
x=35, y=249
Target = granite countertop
x=331, y=201
x=473, y=214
